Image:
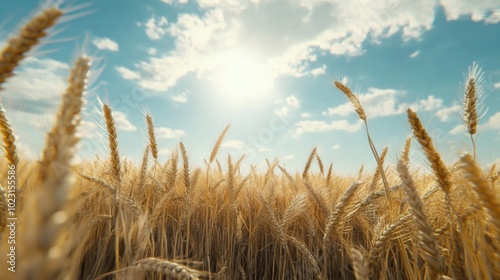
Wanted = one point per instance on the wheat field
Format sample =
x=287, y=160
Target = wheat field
x=112, y=219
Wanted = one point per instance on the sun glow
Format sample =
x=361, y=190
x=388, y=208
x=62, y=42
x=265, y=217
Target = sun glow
x=242, y=78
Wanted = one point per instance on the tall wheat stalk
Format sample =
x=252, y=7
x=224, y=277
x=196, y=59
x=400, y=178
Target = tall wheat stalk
x=54, y=173
x=362, y=115
x=471, y=100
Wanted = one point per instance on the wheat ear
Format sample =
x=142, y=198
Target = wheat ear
x=308, y=164
x=152, y=138
x=405, y=155
x=28, y=37
x=486, y=194
x=113, y=143
x=9, y=139
x=425, y=233
x=214, y=152
x=359, y=265
x=425, y=141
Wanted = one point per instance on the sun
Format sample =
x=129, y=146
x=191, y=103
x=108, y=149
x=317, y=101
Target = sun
x=242, y=77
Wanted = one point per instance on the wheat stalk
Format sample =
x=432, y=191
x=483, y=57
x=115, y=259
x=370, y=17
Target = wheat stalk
x=51, y=199
x=28, y=37
x=425, y=234
x=473, y=91
x=116, y=172
x=361, y=113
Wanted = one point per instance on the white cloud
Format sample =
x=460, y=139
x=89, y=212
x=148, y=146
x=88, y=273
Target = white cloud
x=152, y=51
x=87, y=129
x=292, y=101
x=496, y=85
x=156, y=27
x=384, y=102
x=180, y=98
x=486, y=10
x=263, y=149
x=322, y=126
x=165, y=152
x=37, y=86
x=288, y=105
x=127, y=73
x=288, y=35
x=318, y=71
x=169, y=133
x=445, y=114
x=305, y=115
x=287, y=157
x=336, y=147
x=173, y=1
x=414, y=54
x=122, y=123
x=492, y=123
x=235, y=144
x=105, y=44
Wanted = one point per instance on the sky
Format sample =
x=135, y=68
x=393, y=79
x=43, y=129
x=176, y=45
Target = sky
x=266, y=68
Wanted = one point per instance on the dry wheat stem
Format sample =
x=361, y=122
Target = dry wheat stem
x=28, y=37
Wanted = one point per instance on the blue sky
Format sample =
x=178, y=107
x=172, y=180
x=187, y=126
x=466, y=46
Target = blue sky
x=265, y=67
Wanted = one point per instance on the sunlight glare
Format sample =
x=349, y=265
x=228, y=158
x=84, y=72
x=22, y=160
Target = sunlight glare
x=242, y=78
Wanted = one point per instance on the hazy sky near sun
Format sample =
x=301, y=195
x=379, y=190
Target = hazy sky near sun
x=265, y=67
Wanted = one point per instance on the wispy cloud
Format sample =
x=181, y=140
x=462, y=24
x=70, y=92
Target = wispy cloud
x=322, y=126
x=169, y=133
x=336, y=147
x=105, y=44
x=385, y=102
x=287, y=105
x=156, y=27
x=235, y=144
x=415, y=54
x=122, y=123
x=445, y=114
x=38, y=85
x=287, y=157
x=285, y=44
x=180, y=98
